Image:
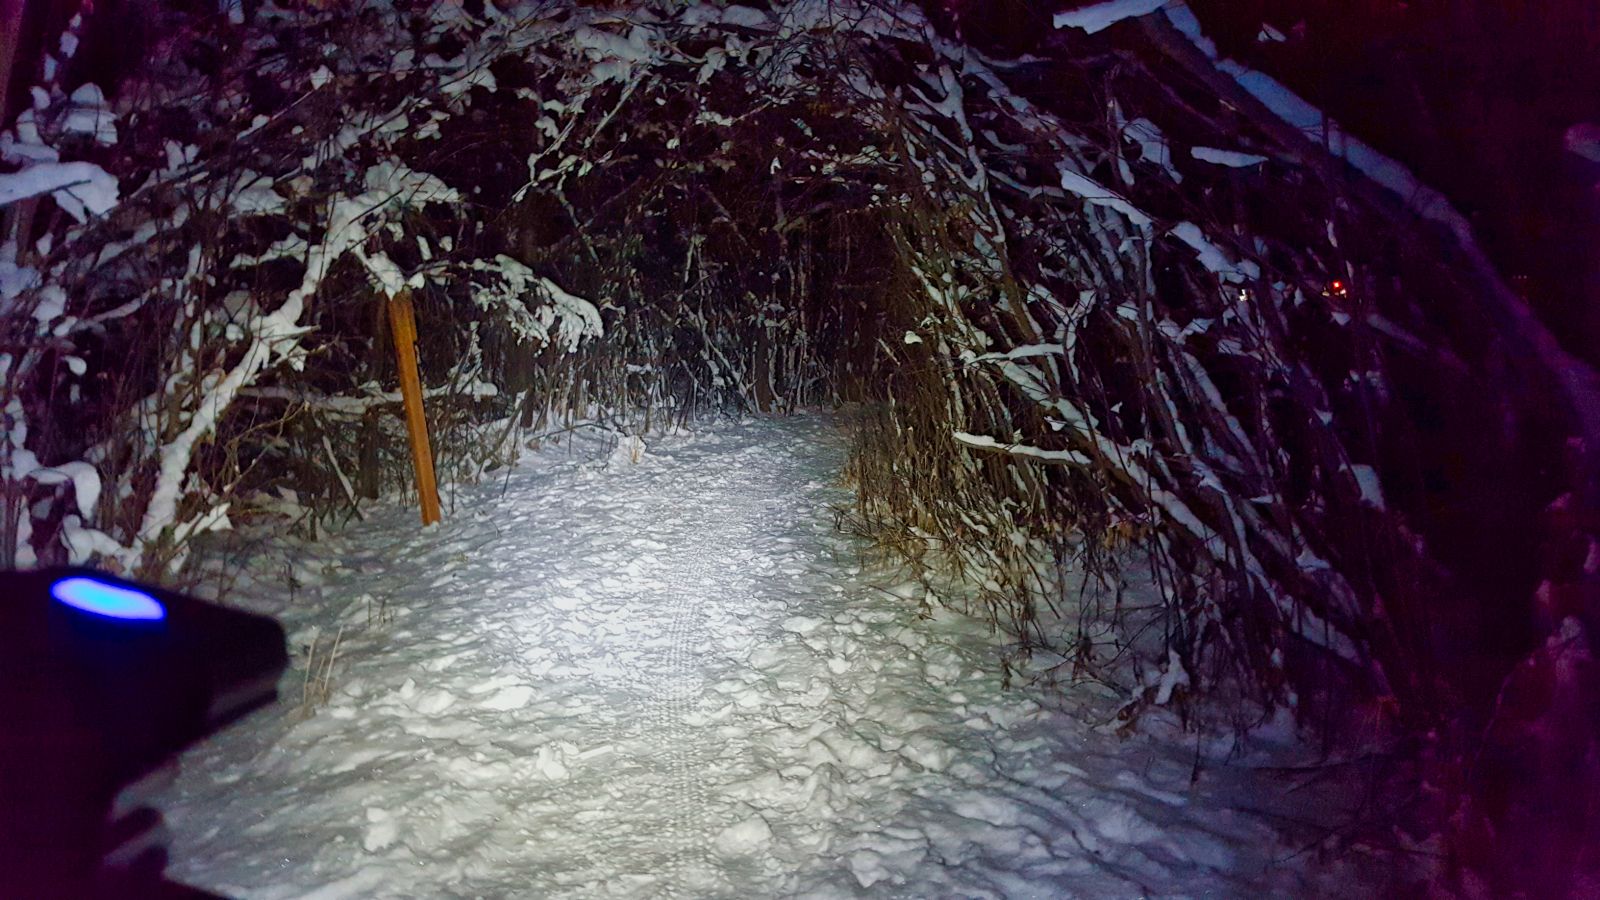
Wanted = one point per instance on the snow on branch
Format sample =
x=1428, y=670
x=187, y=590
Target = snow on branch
x=535, y=308
x=1099, y=16
x=80, y=188
x=984, y=442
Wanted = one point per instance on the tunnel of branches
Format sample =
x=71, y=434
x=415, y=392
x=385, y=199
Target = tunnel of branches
x=1081, y=305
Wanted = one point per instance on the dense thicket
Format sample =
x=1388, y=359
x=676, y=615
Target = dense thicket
x=1110, y=296
x=1479, y=97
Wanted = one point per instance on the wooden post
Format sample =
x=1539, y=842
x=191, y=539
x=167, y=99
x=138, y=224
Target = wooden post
x=403, y=325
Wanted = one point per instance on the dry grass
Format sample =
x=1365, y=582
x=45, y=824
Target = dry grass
x=317, y=688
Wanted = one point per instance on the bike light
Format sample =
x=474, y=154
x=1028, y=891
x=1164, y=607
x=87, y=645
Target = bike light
x=102, y=682
x=109, y=600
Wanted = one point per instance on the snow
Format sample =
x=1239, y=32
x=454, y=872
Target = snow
x=50, y=304
x=1174, y=677
x=573, y=318
x=744, y=16
x=675, y=678
x=356, y=405
x=1153, y=146
x=984, y=442
x=83, y=542
x=14, y=279
x=1213, y=257
x=88, y=114
x=80, y=188
x=85, y=481
x=255, y=196
x=1097, y=194
x=1098, y=16
x=1232, y=158
x=1366, y=478
x=23, y=144
x=1025, y=351
x=1583, y=139
x=1183, y=19
x=385, y=275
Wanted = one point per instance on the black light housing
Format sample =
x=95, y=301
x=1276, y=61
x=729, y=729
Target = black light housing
x=102, y=682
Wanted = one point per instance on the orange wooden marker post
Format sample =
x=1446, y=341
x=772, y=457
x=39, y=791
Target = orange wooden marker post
x=403, y=325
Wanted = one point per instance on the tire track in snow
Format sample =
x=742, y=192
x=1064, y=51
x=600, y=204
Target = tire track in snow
x=669, y=708
x=714, y=565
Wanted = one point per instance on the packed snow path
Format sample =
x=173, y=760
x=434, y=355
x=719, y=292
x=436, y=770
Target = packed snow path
x=674, y=678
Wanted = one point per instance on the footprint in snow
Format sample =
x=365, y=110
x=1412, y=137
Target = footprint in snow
x=508, y=698
x=743, y=838
x=551, y=760
x=382, y=830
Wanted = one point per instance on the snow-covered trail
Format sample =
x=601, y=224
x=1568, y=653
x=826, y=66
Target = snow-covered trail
x=673, y=678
